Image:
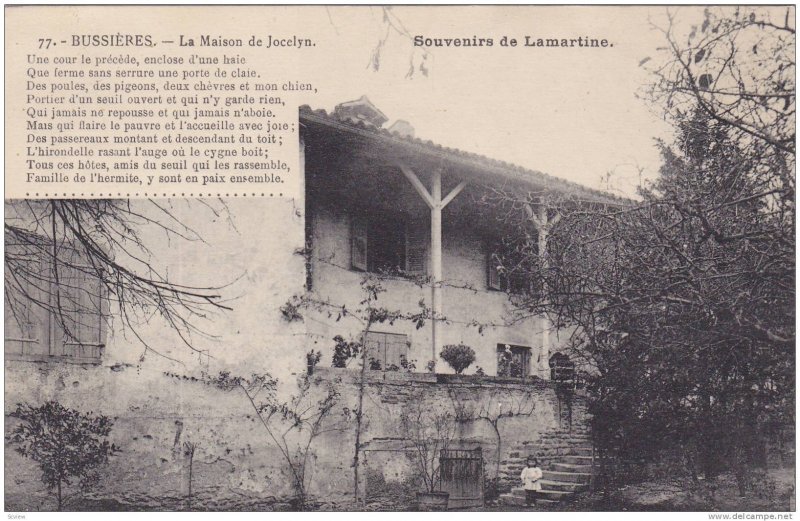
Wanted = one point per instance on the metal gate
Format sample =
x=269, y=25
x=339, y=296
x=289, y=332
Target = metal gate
x=462, y=477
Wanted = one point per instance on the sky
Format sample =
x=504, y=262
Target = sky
x=568, y=112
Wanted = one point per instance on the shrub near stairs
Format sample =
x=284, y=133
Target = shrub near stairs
x=566, y=461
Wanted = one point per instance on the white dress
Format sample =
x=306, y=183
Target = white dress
x=530, y=478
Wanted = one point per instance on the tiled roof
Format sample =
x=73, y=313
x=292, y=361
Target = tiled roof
x=485, y=164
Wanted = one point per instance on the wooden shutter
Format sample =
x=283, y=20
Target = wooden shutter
x=396, y=346
x=386, y=348
x=81, y=295
x=375, y=346
x=25, y=330
x=358, y=243
x=416, y=246
x=493, y=278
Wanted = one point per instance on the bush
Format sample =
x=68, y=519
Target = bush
x=458, y=356
x=66, y=443
x=344, y=351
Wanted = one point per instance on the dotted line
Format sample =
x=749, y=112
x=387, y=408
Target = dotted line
x=147, y=194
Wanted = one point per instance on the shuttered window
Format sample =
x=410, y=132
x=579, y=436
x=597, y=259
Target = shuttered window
x=391, y=244
x=358, y=243
x=493, y=276
x=55, y=311
x=417, y=231
x=26, y=321
x=384, y=350
x=508, y=270
x=79, y=334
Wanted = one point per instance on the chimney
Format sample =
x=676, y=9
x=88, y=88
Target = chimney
x=402, y=128
x=360, y=111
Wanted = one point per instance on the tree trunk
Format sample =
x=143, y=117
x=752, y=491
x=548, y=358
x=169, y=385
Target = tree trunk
x=498, y=453
x=191, y=464
x=359, y=415
x=59, y=495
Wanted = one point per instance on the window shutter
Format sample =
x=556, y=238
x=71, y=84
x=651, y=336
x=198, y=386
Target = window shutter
x=375, y=346
x=386, y=348
x=358, y=243
x=82, y=310
x=493, y=279
x=91, y=329
x=25, y=322
x=66, y=317
x=416, y=247
x=396, y=347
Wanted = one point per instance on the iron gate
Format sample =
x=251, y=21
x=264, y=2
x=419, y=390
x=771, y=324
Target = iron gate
x=462, y=477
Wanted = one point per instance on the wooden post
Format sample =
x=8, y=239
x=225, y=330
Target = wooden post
x=544, y=323
x=436, y=260
x=436, y=203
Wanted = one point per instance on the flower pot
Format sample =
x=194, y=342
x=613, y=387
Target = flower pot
x=431, y=501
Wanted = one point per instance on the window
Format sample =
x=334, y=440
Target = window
x=393, y=244
x=513, y=360
x=562, y=369
x=508, y=267
x=53, y=316
x=385, y=350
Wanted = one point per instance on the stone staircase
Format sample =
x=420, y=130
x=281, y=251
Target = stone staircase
x=566, y=462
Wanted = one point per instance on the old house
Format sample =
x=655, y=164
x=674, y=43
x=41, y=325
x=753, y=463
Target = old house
x=376, y=202
x=380, y=201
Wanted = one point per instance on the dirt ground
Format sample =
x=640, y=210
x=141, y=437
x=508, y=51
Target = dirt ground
x=773, y=491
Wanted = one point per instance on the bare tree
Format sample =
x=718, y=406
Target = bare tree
x=736, y=65
x=429, y=432
x=682, y=304
x=292, y=426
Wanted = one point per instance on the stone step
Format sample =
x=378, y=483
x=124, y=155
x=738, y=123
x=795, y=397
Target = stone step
x=572, y=477
x=579, y=461
x=560, y=488
x=565, y=450
x=570, y=467
x=576, y=459
x=564, y=486
x=553, y=495
x=510, y=499
x=557, y=442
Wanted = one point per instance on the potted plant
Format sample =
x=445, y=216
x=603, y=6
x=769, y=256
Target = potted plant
x=429, y=431
x=458, y=356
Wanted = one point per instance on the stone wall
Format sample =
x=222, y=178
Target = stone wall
x=387, y=454
x=235, y=464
